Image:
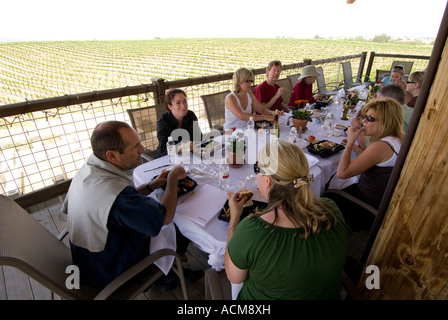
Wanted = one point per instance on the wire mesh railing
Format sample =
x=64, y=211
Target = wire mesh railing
x=44, y=142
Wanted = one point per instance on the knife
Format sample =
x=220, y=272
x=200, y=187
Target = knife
x=165, y=165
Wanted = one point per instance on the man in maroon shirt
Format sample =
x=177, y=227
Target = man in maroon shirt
x=268, y=92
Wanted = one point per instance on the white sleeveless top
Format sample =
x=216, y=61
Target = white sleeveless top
x=231, y=120
x=396, y=144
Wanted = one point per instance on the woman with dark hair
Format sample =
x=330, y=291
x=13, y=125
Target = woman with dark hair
x=296, y=247
x=177, y=117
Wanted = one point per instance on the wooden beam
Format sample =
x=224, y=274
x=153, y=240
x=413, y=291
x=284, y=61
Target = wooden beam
x=411, y=248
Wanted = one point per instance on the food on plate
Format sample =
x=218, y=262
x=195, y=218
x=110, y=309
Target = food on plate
x=226, y=212
x=311, y=139
x=326, y=99
x=187, y=183
x=325, y=145
x=339, y=127
x=206, y=147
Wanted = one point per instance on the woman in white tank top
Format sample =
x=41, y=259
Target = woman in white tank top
x=241, y=103
x=383, y=123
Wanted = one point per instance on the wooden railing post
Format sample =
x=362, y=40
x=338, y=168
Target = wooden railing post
x=160, y=94
x=369, y=66
x=362, y=62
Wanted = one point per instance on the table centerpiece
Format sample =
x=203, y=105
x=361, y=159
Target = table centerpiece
x=300, y=118
x=235, y=149
x=351, y=100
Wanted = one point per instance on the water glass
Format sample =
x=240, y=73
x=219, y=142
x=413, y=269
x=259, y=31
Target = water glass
x=224, y=175
x=185, y=147
x=328, y=129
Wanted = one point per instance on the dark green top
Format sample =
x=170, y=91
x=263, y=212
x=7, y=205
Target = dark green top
x=283, y=266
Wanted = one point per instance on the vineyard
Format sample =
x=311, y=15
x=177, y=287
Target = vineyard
x=42, y=148
x=37, y=70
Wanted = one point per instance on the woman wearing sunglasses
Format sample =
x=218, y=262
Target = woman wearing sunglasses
x=382, y=121
x=413, y=87
x=296, y=247
x=240, y=104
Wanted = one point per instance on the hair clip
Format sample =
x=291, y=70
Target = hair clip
x=303, y=181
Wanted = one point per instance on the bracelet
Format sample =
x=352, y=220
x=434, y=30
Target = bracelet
x=231, y=227
x=149, y=188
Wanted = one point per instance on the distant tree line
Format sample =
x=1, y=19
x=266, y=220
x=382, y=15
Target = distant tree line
x=384, y=38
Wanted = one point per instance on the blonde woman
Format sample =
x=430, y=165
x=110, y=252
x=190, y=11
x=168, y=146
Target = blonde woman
x=240, y=103
x=382, y=121
x=396, y=76
x=297, y=246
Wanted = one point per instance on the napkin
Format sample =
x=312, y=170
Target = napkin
x=166, y=239
x=202, y=204
x=311, y=160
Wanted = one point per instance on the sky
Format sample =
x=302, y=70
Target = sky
x=39, y=20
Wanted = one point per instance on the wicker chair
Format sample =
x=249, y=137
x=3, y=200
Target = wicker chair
x=340, y=197
x=322, y=86
x=407, y=65
x=214, y=105
x=380, y=74
x=29, y=247
x=144, y=120
x=351, y=81
x=285, y=83
x=294, y=79
x=348, y=76
x=217, y=286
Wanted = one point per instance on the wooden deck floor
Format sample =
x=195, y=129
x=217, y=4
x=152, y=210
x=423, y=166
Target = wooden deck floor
x=15, y=285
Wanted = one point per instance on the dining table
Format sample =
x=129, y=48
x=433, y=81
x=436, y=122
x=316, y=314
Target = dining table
x=197, y=213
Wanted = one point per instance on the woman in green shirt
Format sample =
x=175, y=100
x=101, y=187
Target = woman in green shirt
x=295, y=248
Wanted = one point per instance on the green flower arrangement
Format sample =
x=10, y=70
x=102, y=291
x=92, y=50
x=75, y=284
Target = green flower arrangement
x=302, y=114
x=236, y=145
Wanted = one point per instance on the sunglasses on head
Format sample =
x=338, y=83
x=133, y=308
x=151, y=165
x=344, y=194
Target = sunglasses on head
x=407, y=81
x=399, y=67
x=257, y=169
x=249, y=81
x=368, y=118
